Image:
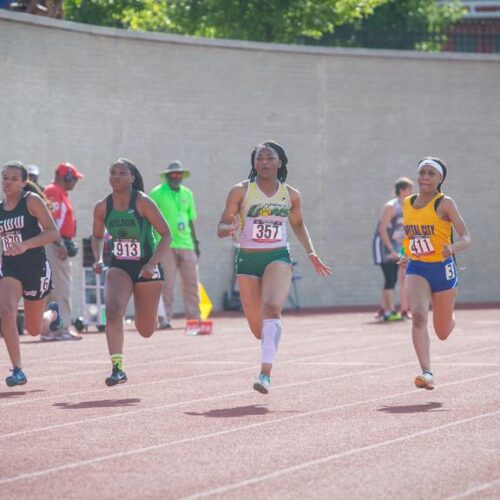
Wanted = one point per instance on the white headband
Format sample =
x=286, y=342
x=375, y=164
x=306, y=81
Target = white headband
x=433, y=164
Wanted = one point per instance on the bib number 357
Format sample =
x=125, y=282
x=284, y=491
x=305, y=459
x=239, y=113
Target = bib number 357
x=268, y=232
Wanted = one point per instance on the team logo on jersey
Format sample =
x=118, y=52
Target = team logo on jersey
x=11, y=224
x=419, y=230
x=267, y=210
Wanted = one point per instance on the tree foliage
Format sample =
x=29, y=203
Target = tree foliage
x=402, y=24
x=372, y=23
x=278, y=21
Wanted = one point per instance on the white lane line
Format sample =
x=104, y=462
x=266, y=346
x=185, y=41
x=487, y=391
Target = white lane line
x=112, y=456
x=466, y=364
x=475, y=489
x=340, y=363
x=203, y=375
x=335, y=456
x=210, y=398
x=252, y=363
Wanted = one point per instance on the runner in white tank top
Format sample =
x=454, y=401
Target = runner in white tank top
x=258, y=209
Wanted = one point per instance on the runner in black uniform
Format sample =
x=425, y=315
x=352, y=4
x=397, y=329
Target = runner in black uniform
x=25, y=227
x=128, y=215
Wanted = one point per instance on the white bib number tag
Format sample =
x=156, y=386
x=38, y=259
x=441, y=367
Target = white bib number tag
x=9, y=239
x=266, y=231
x=127, y=249
x=421, y=246
x=449, y=269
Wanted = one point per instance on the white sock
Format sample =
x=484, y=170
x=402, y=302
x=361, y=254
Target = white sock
x=271, y=334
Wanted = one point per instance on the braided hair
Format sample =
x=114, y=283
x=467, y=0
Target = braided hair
x=29, y=186
x=442, y=165
x=138, y=183
x=282, y=171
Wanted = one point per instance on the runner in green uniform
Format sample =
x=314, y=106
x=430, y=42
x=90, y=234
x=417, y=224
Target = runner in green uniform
x=128, y=215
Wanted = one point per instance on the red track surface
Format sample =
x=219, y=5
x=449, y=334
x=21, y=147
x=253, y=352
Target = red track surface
x=343, y=419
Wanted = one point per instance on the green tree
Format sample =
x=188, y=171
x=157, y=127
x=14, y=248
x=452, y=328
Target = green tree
x=140, y=15
x=401, y=24
x=280, y=21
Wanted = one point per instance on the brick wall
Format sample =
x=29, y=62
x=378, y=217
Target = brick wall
x=351, y=121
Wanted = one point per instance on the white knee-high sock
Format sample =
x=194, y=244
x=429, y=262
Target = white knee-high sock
x=271, y=334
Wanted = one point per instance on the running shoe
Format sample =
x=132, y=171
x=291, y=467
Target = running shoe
x=393, y=316
x=17, y=378
x=262, y=384
x=57, y=324
x=379, y=315
x=406, y=314
x=425, y=381
x=117, y=377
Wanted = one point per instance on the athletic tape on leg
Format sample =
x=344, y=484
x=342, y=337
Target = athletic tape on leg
x=271, y=335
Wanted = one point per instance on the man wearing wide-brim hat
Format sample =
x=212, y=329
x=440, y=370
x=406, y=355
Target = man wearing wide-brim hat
x=176, y=203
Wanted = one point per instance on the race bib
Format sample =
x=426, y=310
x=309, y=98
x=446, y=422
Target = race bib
x=9, y=239
x=267, y=231
x=127, y=249
x=421, y=246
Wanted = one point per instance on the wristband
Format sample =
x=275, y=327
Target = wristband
x=312, y=254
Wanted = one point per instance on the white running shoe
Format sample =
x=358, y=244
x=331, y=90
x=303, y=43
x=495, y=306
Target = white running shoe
x=262, y=384
x=425, y=381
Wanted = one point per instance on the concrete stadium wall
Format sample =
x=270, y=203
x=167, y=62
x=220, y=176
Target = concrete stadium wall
x=351, y=121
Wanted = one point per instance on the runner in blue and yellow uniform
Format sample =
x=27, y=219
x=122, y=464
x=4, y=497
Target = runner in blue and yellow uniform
x=257, y=210
x=128, y=215
x=431, y=273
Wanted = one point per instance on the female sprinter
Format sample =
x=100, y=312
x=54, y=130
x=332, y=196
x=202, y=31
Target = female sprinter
x=25, y=227
x=431, y=273
x=260, y=207
x=128, y=215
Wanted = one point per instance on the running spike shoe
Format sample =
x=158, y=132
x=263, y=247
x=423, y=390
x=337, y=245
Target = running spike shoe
x=17, y=378
x=57, y=324
x=262, y=384
x=425, y=381
x=117, y=377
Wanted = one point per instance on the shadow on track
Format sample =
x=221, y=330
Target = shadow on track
x=12, y=394
x=422, y=408
x=103, y=403
x=239, y=411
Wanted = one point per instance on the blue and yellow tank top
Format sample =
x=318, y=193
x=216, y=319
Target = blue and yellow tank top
x=425, y=232
x=131, y=234
x=263, y=219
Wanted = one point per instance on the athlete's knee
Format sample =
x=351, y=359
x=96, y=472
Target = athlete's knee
x=7, y=312
x=34, y=331
x=114, y=312
x=145, y=332
x=272, y=309
x=419, y=317
x=444, y=331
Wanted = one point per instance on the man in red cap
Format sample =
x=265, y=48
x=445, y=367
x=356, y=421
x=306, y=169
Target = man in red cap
x=60, y=252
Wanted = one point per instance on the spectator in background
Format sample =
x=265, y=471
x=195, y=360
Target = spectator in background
x=177, y=205
x=387, y=244
x=60, y=252
x=33, y=175
x=48, y=8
